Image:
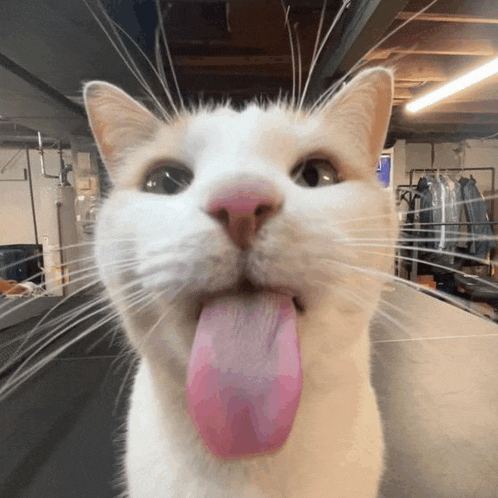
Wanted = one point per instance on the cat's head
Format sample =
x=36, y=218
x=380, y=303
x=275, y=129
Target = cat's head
x=218, y=201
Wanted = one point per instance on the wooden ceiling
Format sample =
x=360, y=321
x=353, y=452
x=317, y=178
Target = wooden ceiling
x=449, y=40
x=241, y=49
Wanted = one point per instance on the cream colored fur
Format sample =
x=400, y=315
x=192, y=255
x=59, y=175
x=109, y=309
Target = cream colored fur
x=177, y=252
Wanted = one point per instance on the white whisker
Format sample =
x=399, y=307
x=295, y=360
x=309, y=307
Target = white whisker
x=432, y=338
x=388, y=276
x=129, y=61
x=23, y=372
x=322, y=100
x=86, y=273
x=345, y=4
x=299, y=63
x=291, y=43
x=423, y=250
x=168, y=53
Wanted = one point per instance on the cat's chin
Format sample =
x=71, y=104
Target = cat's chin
x=246, y=288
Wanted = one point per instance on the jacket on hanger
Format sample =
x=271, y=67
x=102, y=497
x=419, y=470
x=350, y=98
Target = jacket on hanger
x=482, y=235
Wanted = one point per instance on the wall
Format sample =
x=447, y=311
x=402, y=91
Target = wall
x=16, y=219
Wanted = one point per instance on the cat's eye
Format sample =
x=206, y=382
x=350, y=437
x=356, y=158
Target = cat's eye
x=315, y=172
x=170, y=178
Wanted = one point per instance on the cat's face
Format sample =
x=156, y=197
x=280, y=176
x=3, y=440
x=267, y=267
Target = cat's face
x=160, y=248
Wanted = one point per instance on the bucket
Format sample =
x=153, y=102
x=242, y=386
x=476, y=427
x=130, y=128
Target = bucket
x=20, y=262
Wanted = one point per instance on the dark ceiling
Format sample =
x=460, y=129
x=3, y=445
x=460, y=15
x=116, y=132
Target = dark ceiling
x=241, y=49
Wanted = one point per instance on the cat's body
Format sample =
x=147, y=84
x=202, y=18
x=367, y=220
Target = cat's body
x=186, y=255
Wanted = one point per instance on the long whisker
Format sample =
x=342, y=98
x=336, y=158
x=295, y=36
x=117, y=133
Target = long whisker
x=52, y=310
x=168, y=53
x=429, y=263
x=323, y=99
x=404, y=239
x=163, y=83
x=403, y=327
x=299, y=62
x=36, y=256
x=355, y=295
x=128, y=59
x=456, y=203
x=432, y=338
x=61, y=322
x=424, y=250
x=86, y=272
x=417, y=235
x=126, y=377
x=154, y=326
x=388, y=215
x=159, y=61
x=388, y=276
x=345, y=4
x=314, y=56
x=20, y=374
x=291, y=43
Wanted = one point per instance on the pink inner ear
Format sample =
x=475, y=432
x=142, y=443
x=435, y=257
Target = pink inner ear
x=245, y=379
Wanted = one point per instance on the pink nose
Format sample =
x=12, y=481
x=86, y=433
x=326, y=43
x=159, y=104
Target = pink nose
x=242, y=208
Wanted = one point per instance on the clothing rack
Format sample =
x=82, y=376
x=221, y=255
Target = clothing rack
x=461, y=170
x=412, y=172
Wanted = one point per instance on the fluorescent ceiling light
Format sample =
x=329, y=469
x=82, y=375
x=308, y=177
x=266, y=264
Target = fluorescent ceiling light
x=456, y=86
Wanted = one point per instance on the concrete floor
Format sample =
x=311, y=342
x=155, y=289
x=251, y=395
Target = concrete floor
x=60, y=432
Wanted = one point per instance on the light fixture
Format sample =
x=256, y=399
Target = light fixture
x=475, y=76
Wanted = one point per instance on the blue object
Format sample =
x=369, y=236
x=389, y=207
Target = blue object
x=384, y=170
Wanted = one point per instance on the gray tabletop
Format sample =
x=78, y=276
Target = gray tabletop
x=438, y=397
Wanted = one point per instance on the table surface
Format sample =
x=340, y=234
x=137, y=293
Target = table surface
x=60, y=432
x=438, y=394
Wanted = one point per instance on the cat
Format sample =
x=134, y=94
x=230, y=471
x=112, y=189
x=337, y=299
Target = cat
x=225, y=247
x=226, y=224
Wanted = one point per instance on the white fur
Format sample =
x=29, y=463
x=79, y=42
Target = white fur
x=335, y=448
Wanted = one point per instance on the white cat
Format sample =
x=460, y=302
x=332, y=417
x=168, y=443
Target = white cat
x=225, y=247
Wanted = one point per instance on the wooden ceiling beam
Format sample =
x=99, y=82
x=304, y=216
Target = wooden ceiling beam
x=231, y=60
x=367, y=21
x=407, y=83
x=402, y=93
x=463, y=118
x=443, y=46
x=456, y=18
x=418, y=69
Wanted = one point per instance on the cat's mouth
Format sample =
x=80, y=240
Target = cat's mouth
x=246, y=287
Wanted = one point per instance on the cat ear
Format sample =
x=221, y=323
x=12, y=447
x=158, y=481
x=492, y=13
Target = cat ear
x=118, y=122
x=361, y=111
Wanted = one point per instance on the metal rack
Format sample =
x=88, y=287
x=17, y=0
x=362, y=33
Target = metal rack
x=414, y=249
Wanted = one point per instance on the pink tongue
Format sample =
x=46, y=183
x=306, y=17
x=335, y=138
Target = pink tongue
x=244, y=377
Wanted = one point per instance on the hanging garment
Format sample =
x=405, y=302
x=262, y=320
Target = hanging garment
x=426, y=190
x=451, y=214
x=482, y=235
x=439, y=205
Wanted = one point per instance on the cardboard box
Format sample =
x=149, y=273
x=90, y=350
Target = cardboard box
x=426, y=281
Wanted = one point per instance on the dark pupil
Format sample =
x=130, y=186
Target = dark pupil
x=172, y=181
x=168, y=181
x=310, y=175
